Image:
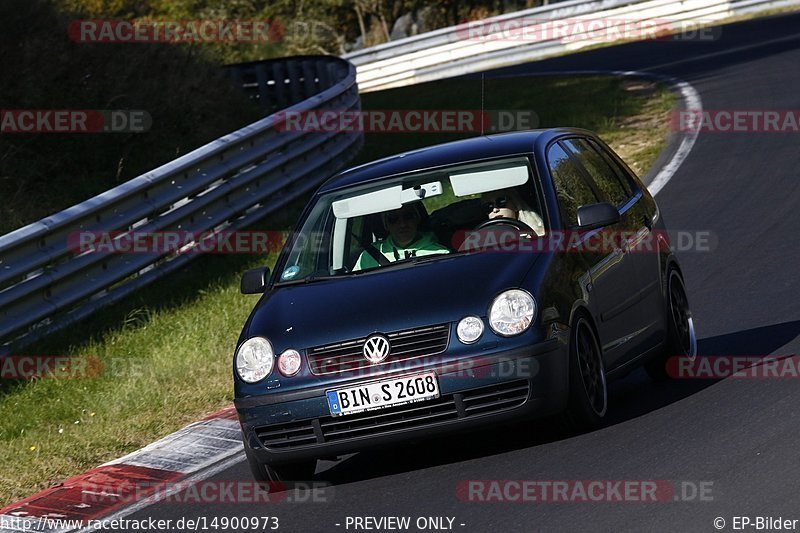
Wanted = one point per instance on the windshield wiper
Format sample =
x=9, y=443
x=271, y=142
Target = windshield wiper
x=432, y=257
x=311, y=278
x=406, y=262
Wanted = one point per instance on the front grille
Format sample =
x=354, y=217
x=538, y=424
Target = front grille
x=494, y=399
x=475, y=402
x=289, y=435
x=409, y=344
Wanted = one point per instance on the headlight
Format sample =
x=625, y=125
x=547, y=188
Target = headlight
x=289, y=363
x=469, y=329
x=254, y=359
x=512, y=312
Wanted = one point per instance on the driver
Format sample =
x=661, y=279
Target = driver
x=508, y=203
x=405, y=239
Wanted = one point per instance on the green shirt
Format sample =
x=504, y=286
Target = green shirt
x=426, y=244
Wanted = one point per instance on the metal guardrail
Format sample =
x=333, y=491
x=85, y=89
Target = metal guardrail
x=228, y=184
x=236, y=180
x=450, y=52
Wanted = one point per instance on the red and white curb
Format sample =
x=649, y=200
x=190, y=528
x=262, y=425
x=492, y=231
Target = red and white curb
x=195, y=452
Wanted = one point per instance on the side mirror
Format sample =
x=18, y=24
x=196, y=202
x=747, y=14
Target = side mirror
x=254, y=281
x=593, y=216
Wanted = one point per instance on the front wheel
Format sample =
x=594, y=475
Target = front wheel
x=681, y=337
x=588, y=394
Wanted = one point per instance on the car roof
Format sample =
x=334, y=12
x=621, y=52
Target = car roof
x=472, y=149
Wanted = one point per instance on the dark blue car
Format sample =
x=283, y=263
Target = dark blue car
x=456, y=286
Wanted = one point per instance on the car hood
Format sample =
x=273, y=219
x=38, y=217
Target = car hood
x=350, y=307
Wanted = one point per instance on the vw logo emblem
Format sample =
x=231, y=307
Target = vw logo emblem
x=376, y=349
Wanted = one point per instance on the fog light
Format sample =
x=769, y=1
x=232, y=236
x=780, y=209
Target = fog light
x=469, y=329
x=289, y=363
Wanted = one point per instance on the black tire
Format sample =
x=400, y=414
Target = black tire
x=588, y=393
x=285, y=474
x=681, y=337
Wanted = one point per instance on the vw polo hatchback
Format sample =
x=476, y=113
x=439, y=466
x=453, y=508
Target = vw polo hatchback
x=496, y=278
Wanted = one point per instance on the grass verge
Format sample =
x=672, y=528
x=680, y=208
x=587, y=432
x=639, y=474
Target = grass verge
x=165, y=354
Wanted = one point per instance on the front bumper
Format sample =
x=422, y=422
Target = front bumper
x=297, y=426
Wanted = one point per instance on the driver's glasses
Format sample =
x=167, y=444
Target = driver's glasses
x=500, y=202
x=407, y=216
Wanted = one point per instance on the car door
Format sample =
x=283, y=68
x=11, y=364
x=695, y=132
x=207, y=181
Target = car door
x=616, y=278
x=642, y=245
x=599, y=271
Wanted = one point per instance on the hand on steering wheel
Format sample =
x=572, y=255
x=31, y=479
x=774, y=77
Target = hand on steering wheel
x=503, y=221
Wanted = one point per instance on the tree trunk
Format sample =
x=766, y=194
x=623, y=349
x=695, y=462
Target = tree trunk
x=361, y=26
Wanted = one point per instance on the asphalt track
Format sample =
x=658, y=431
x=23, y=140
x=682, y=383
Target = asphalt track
x=741, y=435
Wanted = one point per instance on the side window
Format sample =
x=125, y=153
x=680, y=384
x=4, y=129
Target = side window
x=604, y=177
x=622, y=174
x=312, y=250
x=571, y=187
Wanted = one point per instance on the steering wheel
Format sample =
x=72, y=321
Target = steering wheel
x=503, y=221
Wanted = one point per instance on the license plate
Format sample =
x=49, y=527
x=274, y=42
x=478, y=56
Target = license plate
x=381, y=394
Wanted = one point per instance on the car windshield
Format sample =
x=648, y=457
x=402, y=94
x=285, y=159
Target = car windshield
x=411, y=218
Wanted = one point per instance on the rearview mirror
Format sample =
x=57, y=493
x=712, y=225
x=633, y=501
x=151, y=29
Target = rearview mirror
x=254, y=281
x=593, y=216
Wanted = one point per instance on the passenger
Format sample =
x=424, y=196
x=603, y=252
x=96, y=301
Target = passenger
x=508, y=203
x=405, y=239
